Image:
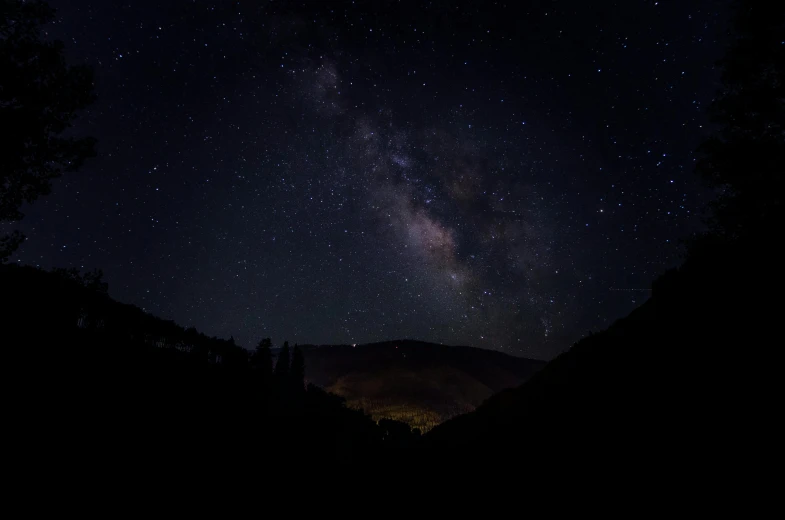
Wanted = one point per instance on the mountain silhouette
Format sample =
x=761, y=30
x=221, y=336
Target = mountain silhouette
x=73, y=322
x=665, y=383
x=419, y=383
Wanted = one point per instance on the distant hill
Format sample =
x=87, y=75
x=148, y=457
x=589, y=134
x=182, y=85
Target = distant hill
x=422, y=384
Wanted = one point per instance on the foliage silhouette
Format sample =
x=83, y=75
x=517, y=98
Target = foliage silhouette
x=163, y=392
x=263, y=359
x=297, y=369
x=649, y=393
x=282, y=363
x=670, y=385
x=398, y=435
x=39, y=98
x=746, y=156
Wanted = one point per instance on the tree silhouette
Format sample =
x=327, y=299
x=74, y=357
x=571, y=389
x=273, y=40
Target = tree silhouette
x=39, y=97
x=297, y=370
x=263, y=358
x=198, y=391
x=91, y=280
x=282, y=365
x=746, y=157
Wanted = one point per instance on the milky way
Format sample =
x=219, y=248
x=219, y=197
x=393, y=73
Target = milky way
x=507, y=177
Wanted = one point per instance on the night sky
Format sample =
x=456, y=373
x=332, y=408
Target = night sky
x=507, y=175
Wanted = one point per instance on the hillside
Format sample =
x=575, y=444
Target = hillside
x=422, y=384
x=663, y=383
x=126, y=388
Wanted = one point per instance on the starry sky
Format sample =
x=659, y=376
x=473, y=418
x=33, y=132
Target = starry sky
x=507, y=175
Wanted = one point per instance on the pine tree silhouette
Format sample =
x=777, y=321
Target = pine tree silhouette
x=282, y=365
x=263, y=358
x=297, y=370
x=39, y=98
x=746, y=157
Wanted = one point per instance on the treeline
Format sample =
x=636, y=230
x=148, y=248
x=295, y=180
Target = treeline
x=66, y=300
x=681, y=390
x=115, y=379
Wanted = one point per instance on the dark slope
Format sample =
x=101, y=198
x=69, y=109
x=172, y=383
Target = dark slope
x=420, y=383
x=668, y=381
x=100, y=384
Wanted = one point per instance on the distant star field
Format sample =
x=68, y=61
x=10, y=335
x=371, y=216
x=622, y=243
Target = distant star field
x=474, y=173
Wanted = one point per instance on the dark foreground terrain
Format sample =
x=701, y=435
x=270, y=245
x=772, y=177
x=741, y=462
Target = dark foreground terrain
x=100, y=382
x=673, y=384
x=665, y=385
